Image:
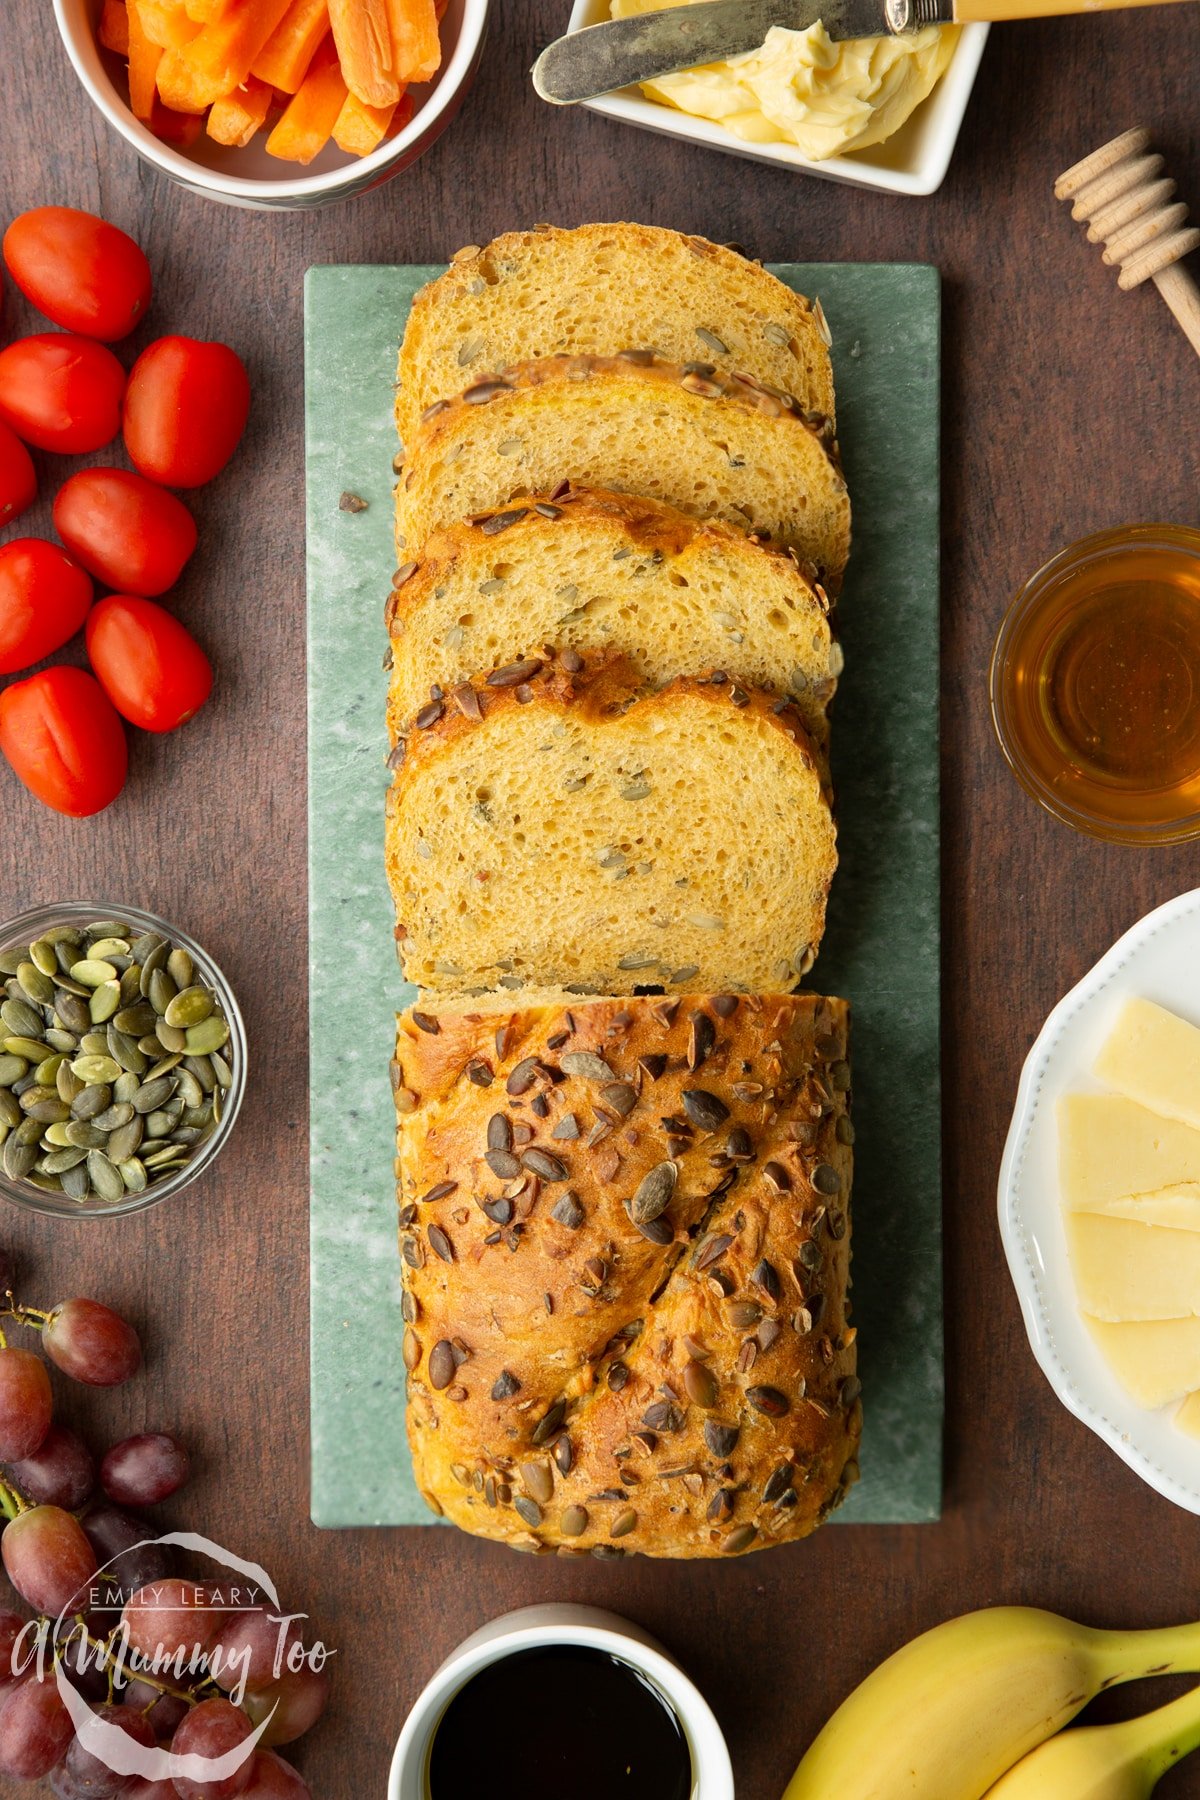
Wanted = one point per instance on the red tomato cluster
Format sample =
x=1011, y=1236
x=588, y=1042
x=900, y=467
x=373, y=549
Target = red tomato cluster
x=182, y=410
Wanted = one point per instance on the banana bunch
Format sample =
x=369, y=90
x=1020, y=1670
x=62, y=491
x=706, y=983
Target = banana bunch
x=960, y=1713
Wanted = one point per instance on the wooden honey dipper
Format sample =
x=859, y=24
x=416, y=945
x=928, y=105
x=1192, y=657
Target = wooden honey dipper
x=1127, y=201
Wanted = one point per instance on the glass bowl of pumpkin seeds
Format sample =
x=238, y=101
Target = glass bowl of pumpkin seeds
x=122, y=1060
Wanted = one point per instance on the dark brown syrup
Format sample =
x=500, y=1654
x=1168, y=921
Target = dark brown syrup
x=560, y=1723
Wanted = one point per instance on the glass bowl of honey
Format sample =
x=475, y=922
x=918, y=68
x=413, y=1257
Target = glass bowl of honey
x=1095, y=685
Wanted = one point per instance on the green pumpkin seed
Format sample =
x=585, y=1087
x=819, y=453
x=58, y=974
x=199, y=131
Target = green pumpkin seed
x=95, y=1068
x=11, y=960
x=104, y=949
x=171, y=1037
x=165, y=1155
x=22, y=1019
x=210, y=1034
x=10, y=1111
x=112, y=1117
x=131, y=985
x=124, y=1051
x=37, y=987
x=11, y=1069
x=149, y=1045
x=29, y=1131
x=163, y=1066
x=222, y=1070
x=41, y=955
x=56, y=1135
x=104, y=1176
x=152, y=1095
x=49, y=1184
x=125, y=1140
x=133, y=1175
x=59, y=1161
x=105, y=1002
x=136, y=1021
x=159, y=1124
x=47, y=1112
x=46, y=1073
x=68, y=1083
x=191, y=1007
x=75, y=1182
x=125, y=1087
x=66, y=1041
x=189, y=1089
x=218, y=1106
x=18, y=1158
x=32, y=1049
x=84, y=1135
x=187, y=1134
x=92, y=971
x=92, y=1101
x=93, y=1043
x=181, y=968
x=197, y=1117
x=72, y=1012
x=161, y=992
x=202, y=1069
x=144, y=947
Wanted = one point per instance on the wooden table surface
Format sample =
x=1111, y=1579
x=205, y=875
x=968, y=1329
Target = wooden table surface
x=1068, y=407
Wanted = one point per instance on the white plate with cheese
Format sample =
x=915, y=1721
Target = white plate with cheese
x=1100, y=1191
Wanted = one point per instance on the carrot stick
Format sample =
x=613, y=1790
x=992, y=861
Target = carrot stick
x=179, y=129
x=114, y=27
x=364, y=44
x=361, y=129
x=144, y=58
x=416, y=47
x=206, y=11
x=221, y=57
x=166, y=25
x=236, y=118
x=308, y=120
x=289, y=50
x=177, y=84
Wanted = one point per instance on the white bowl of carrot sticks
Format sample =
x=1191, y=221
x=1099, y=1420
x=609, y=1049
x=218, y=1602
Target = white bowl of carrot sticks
x=276, y=103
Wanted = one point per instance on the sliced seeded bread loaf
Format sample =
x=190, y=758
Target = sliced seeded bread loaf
x=596, y=571
x=712, y=446
x=604, y=288
x=560, y=826
x=624, y=1227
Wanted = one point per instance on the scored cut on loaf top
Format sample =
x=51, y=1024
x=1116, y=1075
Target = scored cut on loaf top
x=712, y=446
x=625, y=1239
x=602, y=571
x=557, y=825
x=603, y=288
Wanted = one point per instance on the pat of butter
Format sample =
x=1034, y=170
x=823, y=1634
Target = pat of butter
x=1157, y=1361
x=1174, y=1208
x=1126, y=1271
x=1153, y=1056
x=1188, y=1416
x=1110, y=1148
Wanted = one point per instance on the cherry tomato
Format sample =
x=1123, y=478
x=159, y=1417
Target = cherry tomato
x=129, y=533
x=79, y=270
x=185, y=410
x=149, y=665
x=61, y=733
x=44, y=599
x=18, y=482
x=61, y=392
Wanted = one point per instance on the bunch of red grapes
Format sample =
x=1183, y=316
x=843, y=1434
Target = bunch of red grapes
x=65, y=1546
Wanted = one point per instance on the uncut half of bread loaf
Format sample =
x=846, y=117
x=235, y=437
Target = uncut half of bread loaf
x=601, y=571
x=603, y=288
x=624, y=1230
x=713, y=446
x=555, y=824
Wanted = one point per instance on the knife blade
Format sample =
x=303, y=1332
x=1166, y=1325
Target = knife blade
x=621, y=52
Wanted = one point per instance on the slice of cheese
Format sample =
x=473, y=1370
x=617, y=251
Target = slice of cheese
x=1126, y=1271
x=1157, y=1361
x=1175, y=1208
x=1153, y=1056
x=1110, y=1147
x=1188, y=1416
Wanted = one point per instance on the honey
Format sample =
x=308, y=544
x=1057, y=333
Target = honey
x=1096, y=684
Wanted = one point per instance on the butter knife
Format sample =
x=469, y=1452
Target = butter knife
x=621, y=52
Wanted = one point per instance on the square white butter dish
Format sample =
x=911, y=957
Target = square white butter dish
x=913, y=161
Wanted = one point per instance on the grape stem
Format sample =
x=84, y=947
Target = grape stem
x=12, y=1500
x=33, y=1316
x=108, y=1661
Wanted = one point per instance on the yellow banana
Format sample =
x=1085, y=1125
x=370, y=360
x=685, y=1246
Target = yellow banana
x=949, y=1713
x=1106, y=1762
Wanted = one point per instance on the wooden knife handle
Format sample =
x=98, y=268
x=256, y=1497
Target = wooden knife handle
x=966, y=11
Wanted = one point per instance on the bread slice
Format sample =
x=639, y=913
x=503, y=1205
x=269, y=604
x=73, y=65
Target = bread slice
x=600, y=289
x=558, y=825
x=600, y=571
x=712, y=446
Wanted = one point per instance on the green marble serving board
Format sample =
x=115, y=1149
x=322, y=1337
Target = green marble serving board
x=882, y=945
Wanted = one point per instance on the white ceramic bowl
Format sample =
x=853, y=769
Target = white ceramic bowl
x=250, y=177
x=914, y=161
x=1160, y=960
x=532, y=1628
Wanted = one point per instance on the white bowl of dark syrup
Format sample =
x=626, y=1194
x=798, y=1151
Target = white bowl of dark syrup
x=659, y=1728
